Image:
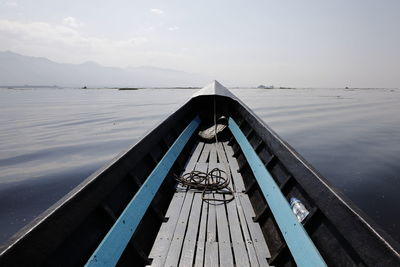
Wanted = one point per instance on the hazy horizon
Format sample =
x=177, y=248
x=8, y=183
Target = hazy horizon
x=300, y=44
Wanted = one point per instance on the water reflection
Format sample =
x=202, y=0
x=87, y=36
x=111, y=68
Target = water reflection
x=50, y=140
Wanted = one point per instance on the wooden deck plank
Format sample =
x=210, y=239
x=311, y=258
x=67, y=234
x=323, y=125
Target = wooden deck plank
x=163, y=240
x=200, y=248
x=211, y=255
x=180, y=229
x=255, y=230
x=238, y=242
x=223, y=160
x=191, y=163
x=211, y=223
x=184, y=218
x=205, y=153
x=225, y=167
x=195, y=156
x=236, y=176
x=189, y=245
x=253, y=248
x=213, y=154
x=211, y=251
x=224, y=240
x=248, y=241
x=221, y=153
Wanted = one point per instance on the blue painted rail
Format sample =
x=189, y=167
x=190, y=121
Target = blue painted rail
x=110, y=249
x=299, y=243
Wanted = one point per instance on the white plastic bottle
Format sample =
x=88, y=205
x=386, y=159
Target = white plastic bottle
x=298, y=209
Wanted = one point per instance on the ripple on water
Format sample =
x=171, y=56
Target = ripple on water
x=50, y=140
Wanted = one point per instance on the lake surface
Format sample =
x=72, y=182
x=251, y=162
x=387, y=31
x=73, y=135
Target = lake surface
x=52, y=139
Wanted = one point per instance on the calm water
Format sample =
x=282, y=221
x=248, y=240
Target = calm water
x=51, y=139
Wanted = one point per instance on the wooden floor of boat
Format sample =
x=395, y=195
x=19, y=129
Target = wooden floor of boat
x=198, y=233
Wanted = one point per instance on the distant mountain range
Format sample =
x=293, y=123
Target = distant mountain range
x=16, y=69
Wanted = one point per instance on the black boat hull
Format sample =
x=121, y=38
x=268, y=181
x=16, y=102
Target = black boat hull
x=69, y=231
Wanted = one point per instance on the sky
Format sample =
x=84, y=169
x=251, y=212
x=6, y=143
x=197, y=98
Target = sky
x=240, y=43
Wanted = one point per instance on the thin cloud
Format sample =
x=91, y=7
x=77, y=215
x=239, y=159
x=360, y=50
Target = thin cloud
x=11, y=4
x=150, y=29
x=71, y=22
x=157, y=11
x=173, y=28
x=44, y=35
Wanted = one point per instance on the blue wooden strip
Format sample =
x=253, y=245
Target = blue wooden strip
x=299, y=243
x=110, y=249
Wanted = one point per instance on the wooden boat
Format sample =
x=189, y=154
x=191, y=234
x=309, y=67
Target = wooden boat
x=134, y=212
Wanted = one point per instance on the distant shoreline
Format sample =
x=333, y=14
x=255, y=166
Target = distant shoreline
x=29, y=86
x=180, y=87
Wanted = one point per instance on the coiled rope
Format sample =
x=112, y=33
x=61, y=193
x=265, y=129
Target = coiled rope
x=214, y=181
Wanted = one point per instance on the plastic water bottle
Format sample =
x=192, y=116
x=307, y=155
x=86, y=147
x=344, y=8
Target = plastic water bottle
x=298, y=209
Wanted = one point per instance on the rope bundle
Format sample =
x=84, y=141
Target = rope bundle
x=216, y=181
